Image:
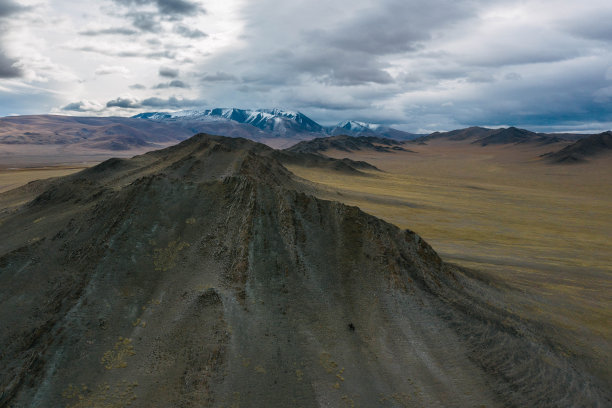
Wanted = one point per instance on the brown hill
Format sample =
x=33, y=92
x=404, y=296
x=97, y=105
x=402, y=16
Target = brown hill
x=583, y=149
x=70, y=130
x=511, y=135
x=458, y=134
x=347, y=143
x=206, y=275
x=514, y=135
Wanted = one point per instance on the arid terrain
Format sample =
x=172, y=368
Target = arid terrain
x=543, y=228
x=209, y=274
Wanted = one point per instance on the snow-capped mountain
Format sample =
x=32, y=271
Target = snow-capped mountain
x=356, y=128
x=259, y=124
x=272, y=120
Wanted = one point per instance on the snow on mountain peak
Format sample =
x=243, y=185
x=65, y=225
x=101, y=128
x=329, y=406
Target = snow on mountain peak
x=357, y=126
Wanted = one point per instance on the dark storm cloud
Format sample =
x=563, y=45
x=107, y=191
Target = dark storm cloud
x=145, y=21
x=153, y=102
x=319, y=102
x=593, y=26
x=164, y=10
x=7, y=66
x=187, y=32
x=123, y=103
x=128, y=54
x=180, y=7
x=171, y=102
x=349, y=49
x=167, y=72
x=392, y=27
x=169, y=7
x=8, y=7
x=172, y=84
x=109, y=31
x=564, y=96
x=74, y=107
x=361, y=43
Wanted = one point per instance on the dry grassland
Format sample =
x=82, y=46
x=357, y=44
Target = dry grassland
x=13, y=178
x=544, y=229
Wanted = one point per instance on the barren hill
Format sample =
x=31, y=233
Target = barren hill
x=510, y=135
x=584, y=149
x=206, y=274
x=112, y=133
x=347, y=143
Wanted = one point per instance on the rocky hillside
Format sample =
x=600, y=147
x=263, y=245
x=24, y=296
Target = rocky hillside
x=347, y=143
x=501, y=136
x=582, y=150
x=206, y=274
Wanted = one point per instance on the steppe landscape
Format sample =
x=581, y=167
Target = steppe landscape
x=544, y=229
x=298, y=204
x=226, y=273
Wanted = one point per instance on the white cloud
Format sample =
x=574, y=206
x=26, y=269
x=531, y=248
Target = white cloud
x=112, y=69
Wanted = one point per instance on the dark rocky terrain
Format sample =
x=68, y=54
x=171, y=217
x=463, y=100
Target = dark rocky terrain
x=347, y=143
x=207, y=274
x=583, y=149
x=511, y=135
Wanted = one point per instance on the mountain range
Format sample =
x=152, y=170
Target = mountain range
x=511, y=135
x=583, y=149
x=348, y=144
x=37, y=140
x=208, y=274
x=276, y=122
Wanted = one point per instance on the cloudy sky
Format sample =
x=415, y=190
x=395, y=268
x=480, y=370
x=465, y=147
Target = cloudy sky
x=418, y=65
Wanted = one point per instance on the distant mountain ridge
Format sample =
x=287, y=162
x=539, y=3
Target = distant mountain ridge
x=273, y=120
x=347, y=143
x=511, y=135
x=37, y=140
x=583, y=149
x=278, y=122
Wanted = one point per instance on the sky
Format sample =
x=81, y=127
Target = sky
x=417, y=65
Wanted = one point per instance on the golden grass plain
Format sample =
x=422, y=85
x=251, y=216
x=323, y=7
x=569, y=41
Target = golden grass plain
x=543, y=229
x=14, y=177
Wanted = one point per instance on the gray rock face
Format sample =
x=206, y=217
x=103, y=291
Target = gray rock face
x=206, y=275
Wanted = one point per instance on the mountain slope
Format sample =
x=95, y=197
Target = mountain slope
x=347, y=144
x=355, y=128
x=514, y=135
x=272, y=120
x=278, y=122
x=39, y=140
x=502, y=136
x=583, y=149
x=205, y=274
x=70, y=130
